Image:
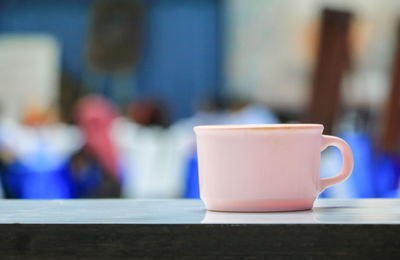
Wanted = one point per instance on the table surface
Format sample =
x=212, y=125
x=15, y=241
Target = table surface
x=170, y=229
x=180, y=211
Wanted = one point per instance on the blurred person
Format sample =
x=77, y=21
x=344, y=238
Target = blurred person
x=54, y=160
x=11, y=187
x=94, y=169
x=33, y=153
x=160, y=159
x=148, y=113
x=20, y=181
x=154, y=153
x=34, y=116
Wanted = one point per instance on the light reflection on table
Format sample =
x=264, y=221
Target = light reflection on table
x=181, y=211
x=328, y=211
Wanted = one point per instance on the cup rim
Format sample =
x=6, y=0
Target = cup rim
x=259, y=127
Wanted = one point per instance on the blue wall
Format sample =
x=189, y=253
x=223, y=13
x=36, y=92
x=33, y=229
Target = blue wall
x=181, y=56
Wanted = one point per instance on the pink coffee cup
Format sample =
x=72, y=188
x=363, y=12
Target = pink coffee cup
x=255, y=168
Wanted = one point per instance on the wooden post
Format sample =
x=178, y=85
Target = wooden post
x=391, y=125
x=332, y=61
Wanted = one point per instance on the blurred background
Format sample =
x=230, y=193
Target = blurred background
x=98, y=97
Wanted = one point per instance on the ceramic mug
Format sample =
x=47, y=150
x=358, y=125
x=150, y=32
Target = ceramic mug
x=255, y=168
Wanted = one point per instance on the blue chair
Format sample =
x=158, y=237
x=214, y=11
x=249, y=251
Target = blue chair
x=192, y=179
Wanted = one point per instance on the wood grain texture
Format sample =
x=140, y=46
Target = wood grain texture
x=91, y=241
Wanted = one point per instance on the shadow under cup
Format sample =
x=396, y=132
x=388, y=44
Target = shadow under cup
x=256, y=168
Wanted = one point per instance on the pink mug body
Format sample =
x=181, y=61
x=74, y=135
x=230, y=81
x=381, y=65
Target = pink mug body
x=256, y=168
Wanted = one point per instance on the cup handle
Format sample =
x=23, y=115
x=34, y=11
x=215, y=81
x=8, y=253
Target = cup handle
x=348, y=161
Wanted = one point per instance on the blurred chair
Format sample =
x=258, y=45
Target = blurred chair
x=362, y=182
x=192, y=190
x=36, y=154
